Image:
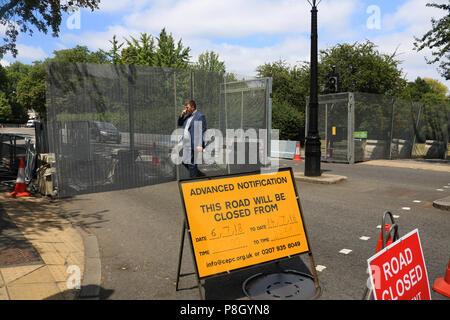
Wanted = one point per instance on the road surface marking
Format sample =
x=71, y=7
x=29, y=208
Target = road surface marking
x=417, y=201
x=364, y=238
x=345, y=251
x=320, y=268
x=439, y=189
x=406, y=208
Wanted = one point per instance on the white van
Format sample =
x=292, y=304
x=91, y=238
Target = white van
x=31, y=123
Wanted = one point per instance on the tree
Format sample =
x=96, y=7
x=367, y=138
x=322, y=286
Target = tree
x=5, y=107
x=209, y=61
x=425, y=90
x=10, y=109
x=30, y=90
x=113, y=54
x=362, y=68
x=138, y=52
x=25, y=15
x=289, y=121
x=3, y=79
x=80, y=54
x=290, y=89
x=6, y=114
x=431, y=94
x=438, y=40
x=290, y=84
x=146, y=51
x=437, y=87
x=167, y=55
x=28, y=83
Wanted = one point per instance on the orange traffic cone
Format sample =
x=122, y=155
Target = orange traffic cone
x=20, y=190
x=297, y=153
x=155, y=162
x=442, y=285
x=380, y=239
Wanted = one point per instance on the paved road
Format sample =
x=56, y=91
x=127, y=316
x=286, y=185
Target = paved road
x=139, y=232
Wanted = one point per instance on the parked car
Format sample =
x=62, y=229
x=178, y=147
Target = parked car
x=31, y=123
x=104, y=131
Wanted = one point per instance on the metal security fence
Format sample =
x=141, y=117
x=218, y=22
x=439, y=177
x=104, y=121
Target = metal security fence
x=110, y=126
x=358, y=127
x=12, y=148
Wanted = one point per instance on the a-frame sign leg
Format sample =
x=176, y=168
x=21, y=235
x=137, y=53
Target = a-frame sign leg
x=180, y=259
x=314, y=271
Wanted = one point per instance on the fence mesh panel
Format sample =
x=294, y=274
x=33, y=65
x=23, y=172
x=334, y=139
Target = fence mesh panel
x=360, y=126
x=110, y=126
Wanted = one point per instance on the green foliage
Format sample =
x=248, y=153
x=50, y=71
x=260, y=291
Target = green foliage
x=113, y=54
x=435, y=105
x=11, y=110
x=3, y=79
x=168, y=55
x=209, y=61
x=79, y=54
x=145, y=51
x=437, y=39
x=362, y=68
x=289, y=121
x=425, y=90
x=5, y=109
x=290, y=85
x=25, y=15
x=31, y=90
x=138, y=52
x=26, y=83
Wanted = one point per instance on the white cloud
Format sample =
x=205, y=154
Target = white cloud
x=235, y=18
x=200, y=23
x=223, y=26
x=413, y=63
x=244, y=60
x=413, y=15
x=27, y=53
x=412, y=19
x=4, y=63
x=121, y=5
x=99, y=40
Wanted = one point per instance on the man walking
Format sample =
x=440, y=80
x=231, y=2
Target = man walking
x=194, y=125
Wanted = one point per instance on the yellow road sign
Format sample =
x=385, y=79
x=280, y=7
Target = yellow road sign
x=243, y=220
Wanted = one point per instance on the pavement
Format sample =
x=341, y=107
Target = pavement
x=43, y=255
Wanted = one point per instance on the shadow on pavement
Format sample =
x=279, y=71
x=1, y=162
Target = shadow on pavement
x=230, y=287
x=73, y=294
x=15, y=249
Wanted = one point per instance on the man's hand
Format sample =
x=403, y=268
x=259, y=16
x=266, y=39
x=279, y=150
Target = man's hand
x=183, y=112
x=199, y=149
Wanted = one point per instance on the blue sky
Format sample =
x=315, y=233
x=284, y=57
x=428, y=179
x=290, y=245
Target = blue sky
x=248, y=33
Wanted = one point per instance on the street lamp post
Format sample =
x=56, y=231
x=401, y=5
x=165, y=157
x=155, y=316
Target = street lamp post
x=312, y=152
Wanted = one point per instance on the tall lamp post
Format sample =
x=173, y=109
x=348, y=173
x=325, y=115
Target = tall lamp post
x=312, y=152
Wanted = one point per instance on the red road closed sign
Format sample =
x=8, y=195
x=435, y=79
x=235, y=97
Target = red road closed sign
x=398, y=272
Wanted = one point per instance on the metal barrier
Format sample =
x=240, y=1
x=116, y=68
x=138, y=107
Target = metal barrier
x=11, y=150
x=110, y=126
x=394, y=235
x=358, y=127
